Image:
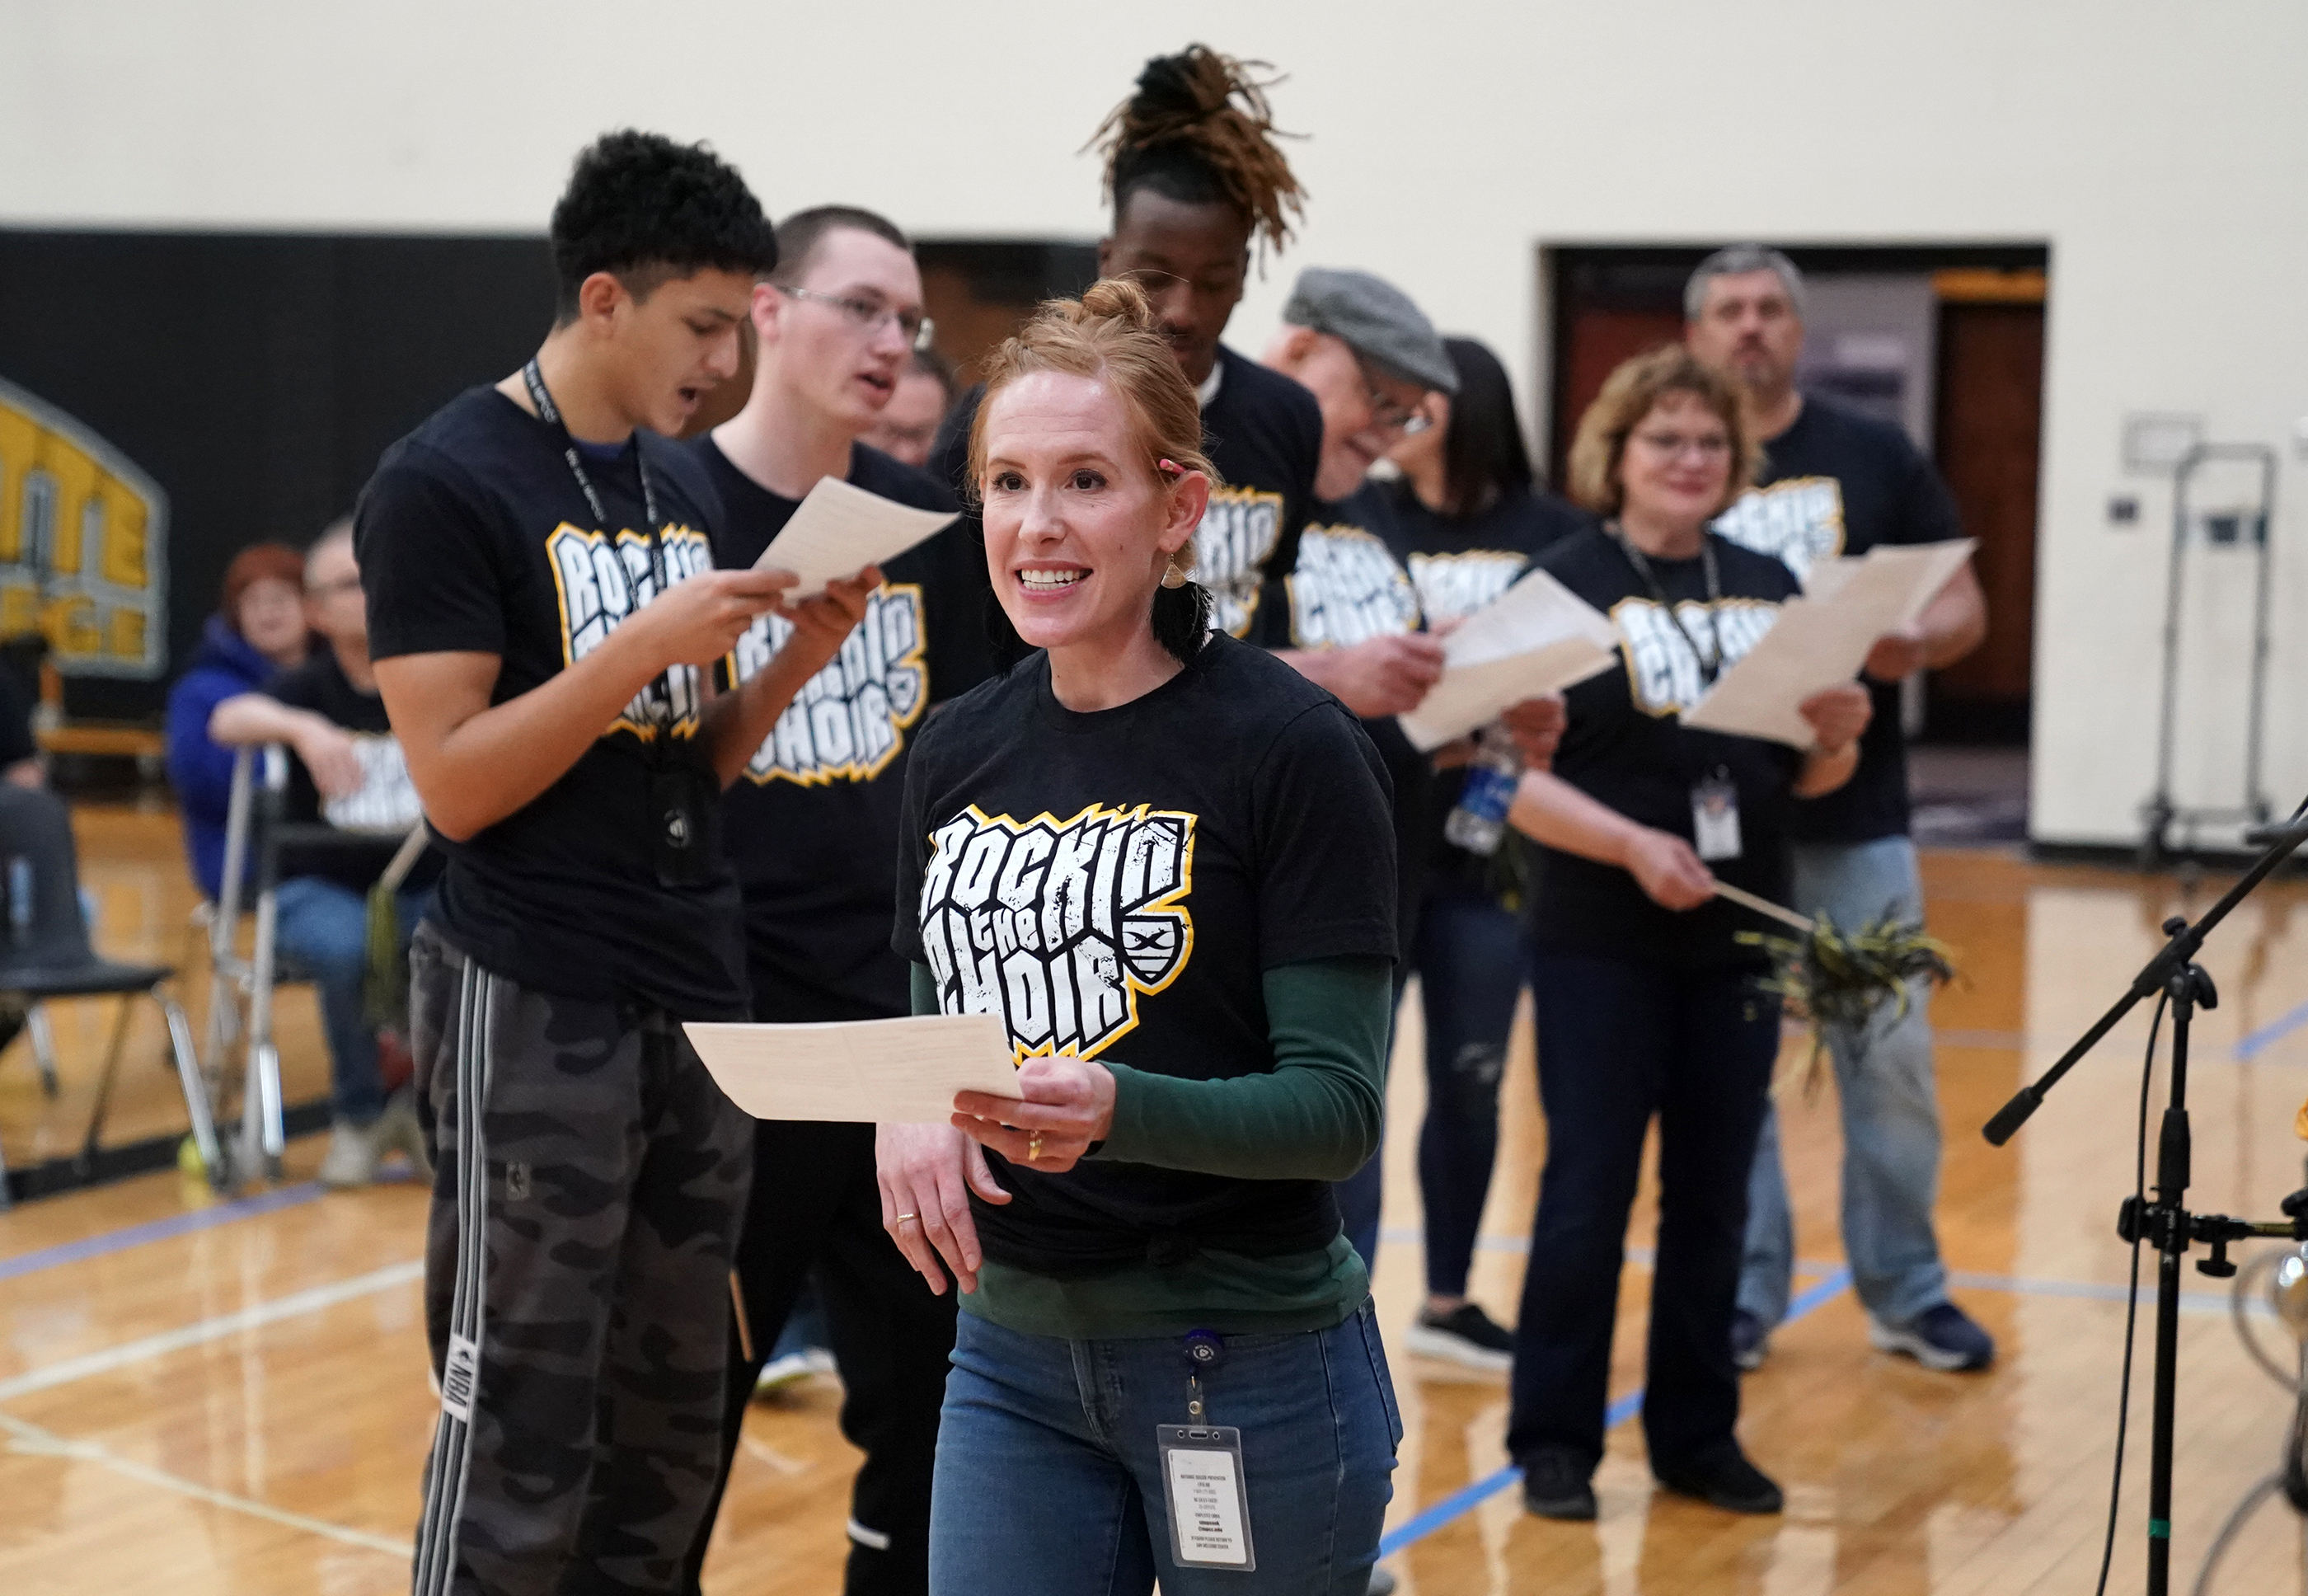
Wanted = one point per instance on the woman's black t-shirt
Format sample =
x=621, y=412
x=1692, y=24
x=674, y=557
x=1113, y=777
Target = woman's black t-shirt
x=1116, y=883
x=473, y=537
x=1263, y=432
x=1458, y=564
x=1626, y=746
x=811, y=821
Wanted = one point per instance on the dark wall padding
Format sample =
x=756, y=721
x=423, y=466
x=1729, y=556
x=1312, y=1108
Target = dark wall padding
x=258, y=377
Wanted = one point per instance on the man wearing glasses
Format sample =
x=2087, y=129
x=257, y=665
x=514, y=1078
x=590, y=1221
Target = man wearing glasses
x=812, y=826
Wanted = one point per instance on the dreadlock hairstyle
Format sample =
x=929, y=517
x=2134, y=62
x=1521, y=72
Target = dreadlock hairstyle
x=1110, y=334
x=1199, y=131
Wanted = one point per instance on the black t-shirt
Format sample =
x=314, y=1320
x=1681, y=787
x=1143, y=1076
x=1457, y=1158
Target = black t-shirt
x=1838, y=482
x=811, y=825
x=17, y=742
x=1263, y=432
x=1346, y=587
x=1123, y=880
x=374, y=820
x=1626, y=746
x=1457, y=565
x=473, y=537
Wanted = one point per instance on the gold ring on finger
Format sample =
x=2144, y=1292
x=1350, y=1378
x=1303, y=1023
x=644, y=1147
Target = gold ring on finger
x=1033, y=1147
x=901, y=1218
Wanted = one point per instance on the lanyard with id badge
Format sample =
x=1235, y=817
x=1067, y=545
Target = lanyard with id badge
x=681, y=800
x=1202, y=1482
x=1714, y=797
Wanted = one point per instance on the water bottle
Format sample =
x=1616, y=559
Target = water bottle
x=20, y=900
x=1480, y=820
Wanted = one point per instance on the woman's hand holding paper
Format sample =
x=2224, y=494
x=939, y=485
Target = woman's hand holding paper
x=1068, y=1105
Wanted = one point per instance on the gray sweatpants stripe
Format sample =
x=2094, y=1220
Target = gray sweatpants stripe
x=452, y=1437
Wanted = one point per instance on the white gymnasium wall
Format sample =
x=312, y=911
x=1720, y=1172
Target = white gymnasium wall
x=2161, y=151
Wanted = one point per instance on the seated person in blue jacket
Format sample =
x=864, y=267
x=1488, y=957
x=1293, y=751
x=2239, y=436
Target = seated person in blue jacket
x=349, y=772
x=257, y=631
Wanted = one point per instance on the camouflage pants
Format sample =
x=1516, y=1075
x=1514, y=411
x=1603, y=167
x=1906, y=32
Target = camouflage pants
x=590, y=1180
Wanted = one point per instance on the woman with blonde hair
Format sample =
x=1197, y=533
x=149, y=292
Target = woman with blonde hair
x=1646, y=999
x=1162, y=858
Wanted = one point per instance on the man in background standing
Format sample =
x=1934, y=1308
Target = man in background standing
x=1835, y=481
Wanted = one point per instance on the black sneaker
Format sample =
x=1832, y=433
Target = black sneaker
x=1943, y=1337
x=1555, y=1484
x=1465, y=1336
x=1725, y=1480
x=1751, y=1339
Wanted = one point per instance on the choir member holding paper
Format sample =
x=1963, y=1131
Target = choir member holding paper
x=1646, y=1001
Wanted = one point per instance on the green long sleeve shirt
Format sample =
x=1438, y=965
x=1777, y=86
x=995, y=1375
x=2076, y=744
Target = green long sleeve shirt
x=1314, y=1117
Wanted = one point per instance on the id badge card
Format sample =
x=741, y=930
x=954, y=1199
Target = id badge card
x=1202, y=1486
x=1715, y=818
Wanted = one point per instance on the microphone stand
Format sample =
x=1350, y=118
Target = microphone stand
x=2165, y=1223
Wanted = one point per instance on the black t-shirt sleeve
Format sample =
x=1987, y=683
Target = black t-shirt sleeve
x=299, y=689
x=1925, y=511
x=913, y=849
x=427, y=559
x=1321, y=817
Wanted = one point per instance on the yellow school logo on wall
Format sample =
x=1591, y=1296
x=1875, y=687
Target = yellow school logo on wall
x=83, y=536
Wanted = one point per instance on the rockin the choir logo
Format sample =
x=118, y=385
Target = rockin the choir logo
x=602, y=581
x=1451, y=585
x=1797, y=522
x=1236, y=535
x=848, y=723
x=1662, y=671
x=1346, y=590
x=1060, y=927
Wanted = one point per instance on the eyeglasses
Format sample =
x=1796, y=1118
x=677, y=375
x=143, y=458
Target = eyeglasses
x=1389, y=414
x=1672, y=444
x=871, y=315
x=328, y=590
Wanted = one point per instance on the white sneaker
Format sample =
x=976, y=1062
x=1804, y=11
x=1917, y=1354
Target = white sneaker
x=354, y=1152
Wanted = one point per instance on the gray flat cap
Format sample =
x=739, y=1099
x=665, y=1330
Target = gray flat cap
x=1376, y=319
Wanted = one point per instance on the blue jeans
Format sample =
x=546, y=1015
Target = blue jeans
x=1048, y=1483
x=1618, y=1044
x=1890, y=1114
x=323, y=926
x=1470, y=971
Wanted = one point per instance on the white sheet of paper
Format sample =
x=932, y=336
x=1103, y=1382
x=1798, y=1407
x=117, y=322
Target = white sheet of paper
x=1823, y=637
x=840, y=530
x=884, y=1071
x=1538, y=636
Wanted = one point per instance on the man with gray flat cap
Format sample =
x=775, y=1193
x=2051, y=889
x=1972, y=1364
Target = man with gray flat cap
x=1346, y=615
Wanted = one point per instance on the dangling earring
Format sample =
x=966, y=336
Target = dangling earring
x=1174, y=576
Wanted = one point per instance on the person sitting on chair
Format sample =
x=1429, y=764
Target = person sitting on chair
x=258, y=630
x=348, y=771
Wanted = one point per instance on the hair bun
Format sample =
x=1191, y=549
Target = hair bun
x=1119, y=299
x=1185, y=87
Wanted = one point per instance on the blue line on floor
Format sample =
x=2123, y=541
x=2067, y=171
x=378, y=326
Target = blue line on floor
x=159, y=1229
x=1467, y=1498
x=2268, y=1035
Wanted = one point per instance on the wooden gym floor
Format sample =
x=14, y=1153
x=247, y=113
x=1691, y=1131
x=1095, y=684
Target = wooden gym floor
x=198, y=1397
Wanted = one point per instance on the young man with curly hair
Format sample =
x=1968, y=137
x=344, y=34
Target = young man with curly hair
x=543, y=614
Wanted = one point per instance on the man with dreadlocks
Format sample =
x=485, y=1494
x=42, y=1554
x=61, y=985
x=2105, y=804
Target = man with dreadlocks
x=1197, y=179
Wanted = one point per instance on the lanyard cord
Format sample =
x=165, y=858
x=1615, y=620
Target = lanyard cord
x=1710, y=663
x=550, y=414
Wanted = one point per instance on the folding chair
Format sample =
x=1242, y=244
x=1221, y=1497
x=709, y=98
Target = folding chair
x=45, y=955
x=241, y=990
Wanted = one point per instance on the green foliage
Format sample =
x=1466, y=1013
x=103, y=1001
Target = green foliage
x=1843, y=979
